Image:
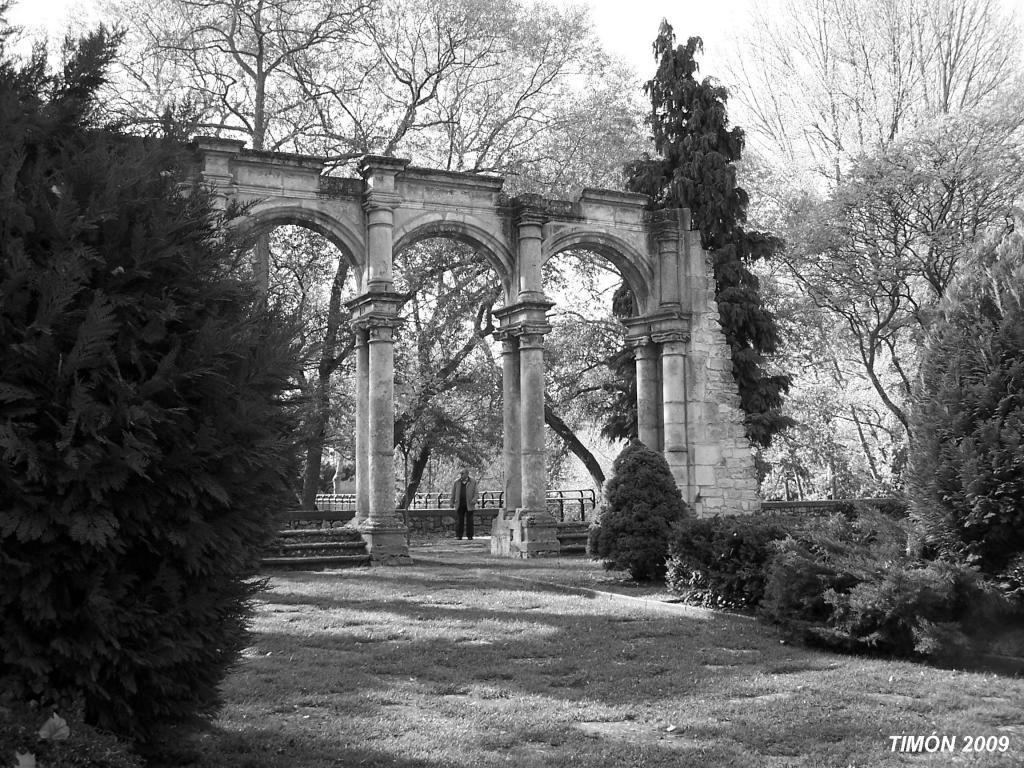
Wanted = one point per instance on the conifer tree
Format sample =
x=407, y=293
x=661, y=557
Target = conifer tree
x=967, y=454
x=694, y=168
x=642, y=502
x=144, y=431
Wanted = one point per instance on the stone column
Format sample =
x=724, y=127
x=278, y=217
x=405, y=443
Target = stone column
x=529, y=234
x=673, y=384
x=381, y=196
x=665, y=226
x=529, y=531
x=376, y=311
x=379, y=227
x=648, y=393
x=362, y=427
x=534, y=454
x=512, y=426
x=383, y=529
x=381, y=422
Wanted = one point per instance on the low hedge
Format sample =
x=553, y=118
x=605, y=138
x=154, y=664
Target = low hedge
x=850, y=585
x=720, y=562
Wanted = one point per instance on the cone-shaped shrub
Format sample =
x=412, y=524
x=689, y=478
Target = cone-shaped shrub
x=642, y=502
x=143, y=433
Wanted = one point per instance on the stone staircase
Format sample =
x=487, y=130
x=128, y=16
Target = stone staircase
x=572, y=538
x=312, y=549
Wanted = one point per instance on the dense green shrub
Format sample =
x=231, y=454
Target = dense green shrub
x=911, y=609
x=850, y=585
x=720, y=562
x=796, y=581
x=1011, y=582
x=142, y=427
x=642, y=503
x=967, y=452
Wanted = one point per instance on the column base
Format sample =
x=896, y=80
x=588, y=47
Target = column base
x=387, y=544
x=524, y=533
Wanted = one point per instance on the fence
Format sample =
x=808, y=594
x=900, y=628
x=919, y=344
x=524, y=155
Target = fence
x=566, y=504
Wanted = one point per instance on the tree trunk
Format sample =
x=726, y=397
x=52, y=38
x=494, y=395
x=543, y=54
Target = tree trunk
x=573, y=443
x=418, y=465
x=330, y=359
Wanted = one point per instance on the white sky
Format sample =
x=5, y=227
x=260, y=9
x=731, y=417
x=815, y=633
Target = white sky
x=626, y=27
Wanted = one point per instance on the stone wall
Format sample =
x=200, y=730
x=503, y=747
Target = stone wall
x=441, y=522
x=722, y=472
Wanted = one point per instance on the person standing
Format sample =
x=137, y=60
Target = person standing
x=463, y=501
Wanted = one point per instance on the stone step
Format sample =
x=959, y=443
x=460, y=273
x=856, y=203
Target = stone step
x=573, y=549
x=317, y=563
x=341, y=547
x=321, y=534
x=573, y=538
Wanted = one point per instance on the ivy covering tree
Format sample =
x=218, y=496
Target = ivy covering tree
x=694, y=168
x=642, y=502
x=967, y=455
x=143, y=425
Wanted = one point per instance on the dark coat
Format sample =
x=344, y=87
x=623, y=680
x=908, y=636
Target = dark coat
x=470, y=493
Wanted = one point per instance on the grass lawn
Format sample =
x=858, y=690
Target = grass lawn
x=453, y=665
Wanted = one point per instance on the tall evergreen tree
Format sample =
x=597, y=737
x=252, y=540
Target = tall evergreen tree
x=695, y=169
x=144, y=432
x=967, y=451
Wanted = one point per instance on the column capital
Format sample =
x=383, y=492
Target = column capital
x=377, y=331
x=375, y=304
x=526, y=310
x=532, y=338
x=668, y=319
x=505, y=334
x=666, y=224
x=374, y=201
x=642, y=346
x=528, y=210
x=509, y=345
x=671, y=337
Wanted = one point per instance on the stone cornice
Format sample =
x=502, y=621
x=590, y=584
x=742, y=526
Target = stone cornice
x=370, y=163
x=216, y=144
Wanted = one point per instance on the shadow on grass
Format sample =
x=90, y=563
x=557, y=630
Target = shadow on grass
x=258, y=747
x=451, y=634
x=447, y=666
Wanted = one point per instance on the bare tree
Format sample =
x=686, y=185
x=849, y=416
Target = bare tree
x=825, y=80
x=882, y=252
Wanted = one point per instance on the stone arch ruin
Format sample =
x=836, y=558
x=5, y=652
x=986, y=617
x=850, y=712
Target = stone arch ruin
x=688, y=407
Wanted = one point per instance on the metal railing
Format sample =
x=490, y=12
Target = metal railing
x=578, y=503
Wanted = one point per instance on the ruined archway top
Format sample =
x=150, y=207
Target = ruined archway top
x=272, y=213
x=462, y=227
x=225, y=154
x=633, y=264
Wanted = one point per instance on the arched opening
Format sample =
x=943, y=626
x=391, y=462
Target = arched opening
x=460, y=229
x=590, y=391
x=262, y=220
x=632, y=267
x=447, y=378
x=312, y=274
